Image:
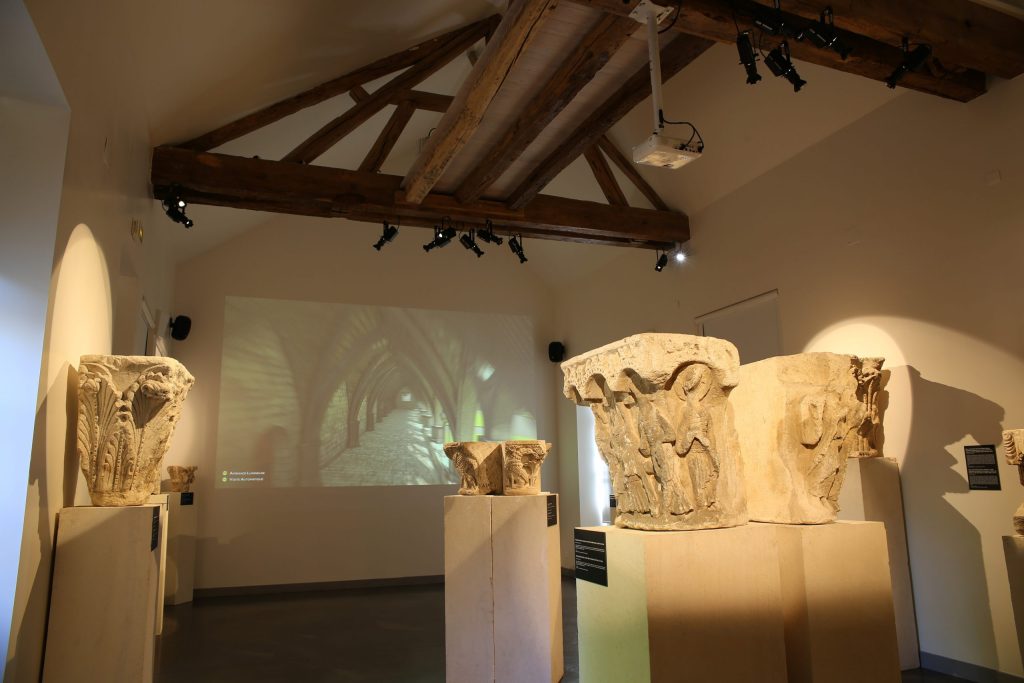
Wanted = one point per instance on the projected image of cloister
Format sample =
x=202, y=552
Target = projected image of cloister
x=316, y=394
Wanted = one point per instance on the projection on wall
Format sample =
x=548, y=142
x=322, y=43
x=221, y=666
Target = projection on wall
x=317, y=394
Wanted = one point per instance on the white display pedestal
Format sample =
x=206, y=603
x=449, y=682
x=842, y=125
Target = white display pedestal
x=683, y=605
x=181, y=548
x=837, y=601
x=872, y=493
x=503, y=593
x=161, y=500
x=754, y=603
x=1013, y=548
x=102, y=606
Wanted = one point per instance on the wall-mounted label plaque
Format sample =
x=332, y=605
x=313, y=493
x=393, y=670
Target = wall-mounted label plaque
x=982, y=468
x=552, y=509
x=188, y=498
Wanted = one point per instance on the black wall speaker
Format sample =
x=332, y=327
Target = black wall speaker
x=556, y=352
x=180, y=327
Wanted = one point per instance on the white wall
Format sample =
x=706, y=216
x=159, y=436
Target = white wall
x=273, y=536
x=33, y=136
x=891, y=236
x=104, y=186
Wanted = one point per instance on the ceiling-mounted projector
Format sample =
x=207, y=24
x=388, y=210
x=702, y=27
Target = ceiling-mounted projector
x=659, y=149
x=664, y=152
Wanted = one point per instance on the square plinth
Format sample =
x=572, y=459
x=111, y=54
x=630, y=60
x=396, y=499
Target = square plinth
x=837, y=600
x=181, y=548
x=104, y=597
x=685, y=605
x=503, y=597
x=1013, y=548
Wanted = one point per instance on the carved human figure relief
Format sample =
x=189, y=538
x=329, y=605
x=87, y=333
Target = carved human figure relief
x=520, y=462
x=799, y=418
x=127, y=409
x=182, y=478
x=478, y=464
x=1013, y=444
x=868, y=373
x=664, y=426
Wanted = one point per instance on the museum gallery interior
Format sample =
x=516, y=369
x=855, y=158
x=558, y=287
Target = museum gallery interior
x=512, y=341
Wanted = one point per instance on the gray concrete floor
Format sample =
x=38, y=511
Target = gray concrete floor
x=378, y=635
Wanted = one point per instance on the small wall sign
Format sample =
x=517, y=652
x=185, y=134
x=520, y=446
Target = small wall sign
x=982, y=468
x=552, y=509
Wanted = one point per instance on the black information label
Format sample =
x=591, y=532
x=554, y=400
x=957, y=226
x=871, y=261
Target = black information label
x=982, y=468
x=612, y=501
x=552, y=509
x=591, y=556
x=187, y=498
x=155, y=538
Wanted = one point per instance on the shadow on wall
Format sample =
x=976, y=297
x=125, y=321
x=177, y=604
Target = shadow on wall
x=941, y=417
x=27, y=652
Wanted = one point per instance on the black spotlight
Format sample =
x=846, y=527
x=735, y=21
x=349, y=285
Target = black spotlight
x=556, y=352
x=774, y=23
x=662, y=262
x=387, y=234
x=442, y=238
x=516, y=245
x=912, y=61
x=824, y=34
x=747, y=57
x=174, y=206
x=180, y=327
x=468, y=240
x=487, y=234
x=781, y=64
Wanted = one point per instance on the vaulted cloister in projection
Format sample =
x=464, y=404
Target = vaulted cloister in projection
x=320, y=394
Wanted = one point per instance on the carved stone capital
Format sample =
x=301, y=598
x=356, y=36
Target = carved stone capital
x=664, y=427
x=182, y=477
x=478, y=464
x=799, y=418
x=127, y=409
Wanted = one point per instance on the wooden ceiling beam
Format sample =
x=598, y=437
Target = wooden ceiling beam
x=329, y=135
x=519, y=25
x=338, y=86
x=592, y=52
x=630, y=170
x=603, y=174
x=959, y=31
x=388, y=137
x=714, y=20
x=680, y=51
x=309, y=190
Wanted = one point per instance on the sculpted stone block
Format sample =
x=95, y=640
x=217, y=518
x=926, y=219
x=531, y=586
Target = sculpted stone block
x=1013, y=443
x=182, y=477
x=869, y=383
x=799, y=418
x=127, y=409
x=664, y=427
x=520, y=463
x=478, y=464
